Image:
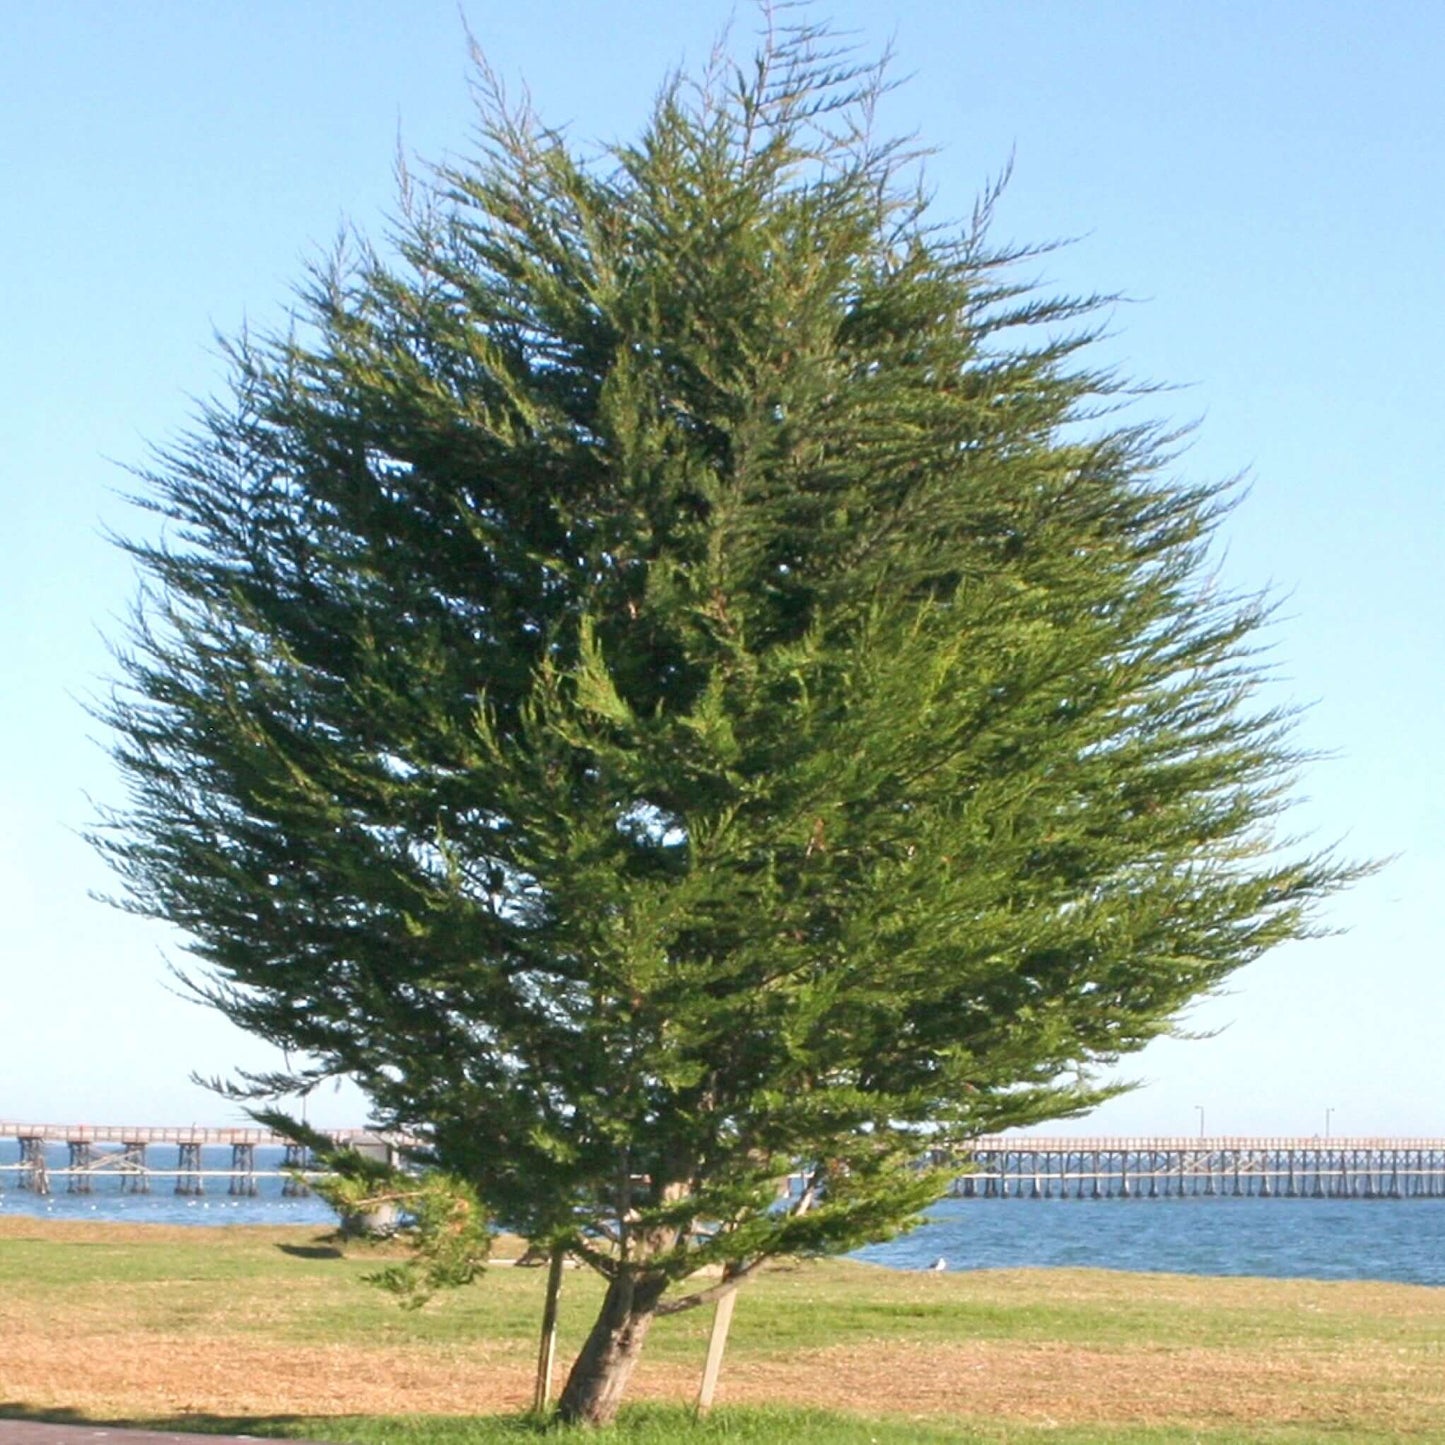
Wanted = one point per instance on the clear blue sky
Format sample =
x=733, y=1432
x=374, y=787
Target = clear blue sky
x=1264, y=181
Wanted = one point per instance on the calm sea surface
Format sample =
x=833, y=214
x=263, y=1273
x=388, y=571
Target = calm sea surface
x=1383, y=1239
x=1391, y=1239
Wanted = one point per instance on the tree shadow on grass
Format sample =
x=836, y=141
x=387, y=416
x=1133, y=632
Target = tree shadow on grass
x=290, y=1427
x=304, y=1429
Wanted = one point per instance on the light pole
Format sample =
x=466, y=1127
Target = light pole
x=1200, y=1109
x=1328, y=1112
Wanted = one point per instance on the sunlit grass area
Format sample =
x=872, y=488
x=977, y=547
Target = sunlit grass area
x=272, y=1331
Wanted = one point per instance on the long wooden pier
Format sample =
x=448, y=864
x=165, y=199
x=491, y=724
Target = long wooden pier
x=1006, y=1167
x=992, y=1167
x=128, y=1158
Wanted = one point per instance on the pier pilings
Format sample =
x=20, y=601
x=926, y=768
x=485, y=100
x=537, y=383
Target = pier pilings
x=298, y=1157
x=243, y=1170
x=33, y=1174
x=134, y=1177
x=82, y=1155
x=189, y=1177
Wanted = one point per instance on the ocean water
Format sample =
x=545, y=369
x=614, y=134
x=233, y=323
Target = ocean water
x=1378, y=1239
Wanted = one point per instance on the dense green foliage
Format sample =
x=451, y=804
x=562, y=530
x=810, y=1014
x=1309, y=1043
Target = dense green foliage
x=446, y=1227
x=674, y=678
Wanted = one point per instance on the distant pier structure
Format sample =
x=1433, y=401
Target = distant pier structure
x=134, y=1153
x=993, y=1167
x=1005, y=1167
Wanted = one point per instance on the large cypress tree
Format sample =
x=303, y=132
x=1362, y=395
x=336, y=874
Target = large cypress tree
x=676, y=675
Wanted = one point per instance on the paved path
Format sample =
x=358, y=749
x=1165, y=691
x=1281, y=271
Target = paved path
x=33, y=1432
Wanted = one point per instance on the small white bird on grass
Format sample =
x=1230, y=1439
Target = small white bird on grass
x=939, y=1263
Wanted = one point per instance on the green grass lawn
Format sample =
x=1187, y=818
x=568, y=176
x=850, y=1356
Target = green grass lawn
x=195, y=1329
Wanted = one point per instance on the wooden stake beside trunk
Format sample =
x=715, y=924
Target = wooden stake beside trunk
x=716, y=1345
x=547, y=1347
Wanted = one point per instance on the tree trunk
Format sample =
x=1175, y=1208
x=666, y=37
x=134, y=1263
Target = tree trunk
x=599, y=1377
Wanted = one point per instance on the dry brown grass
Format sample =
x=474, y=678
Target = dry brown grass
x=1051, y=1384
x=113, y=1376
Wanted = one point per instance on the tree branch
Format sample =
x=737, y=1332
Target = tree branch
x=732, y=1277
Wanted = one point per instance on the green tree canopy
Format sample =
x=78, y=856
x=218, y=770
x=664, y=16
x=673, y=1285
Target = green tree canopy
x=676, y=673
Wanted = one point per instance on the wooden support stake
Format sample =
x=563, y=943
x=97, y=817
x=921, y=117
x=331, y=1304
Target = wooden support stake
x=716, y=1344
x=547, y=1347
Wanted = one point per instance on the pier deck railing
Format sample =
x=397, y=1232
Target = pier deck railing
x=167, y=1134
